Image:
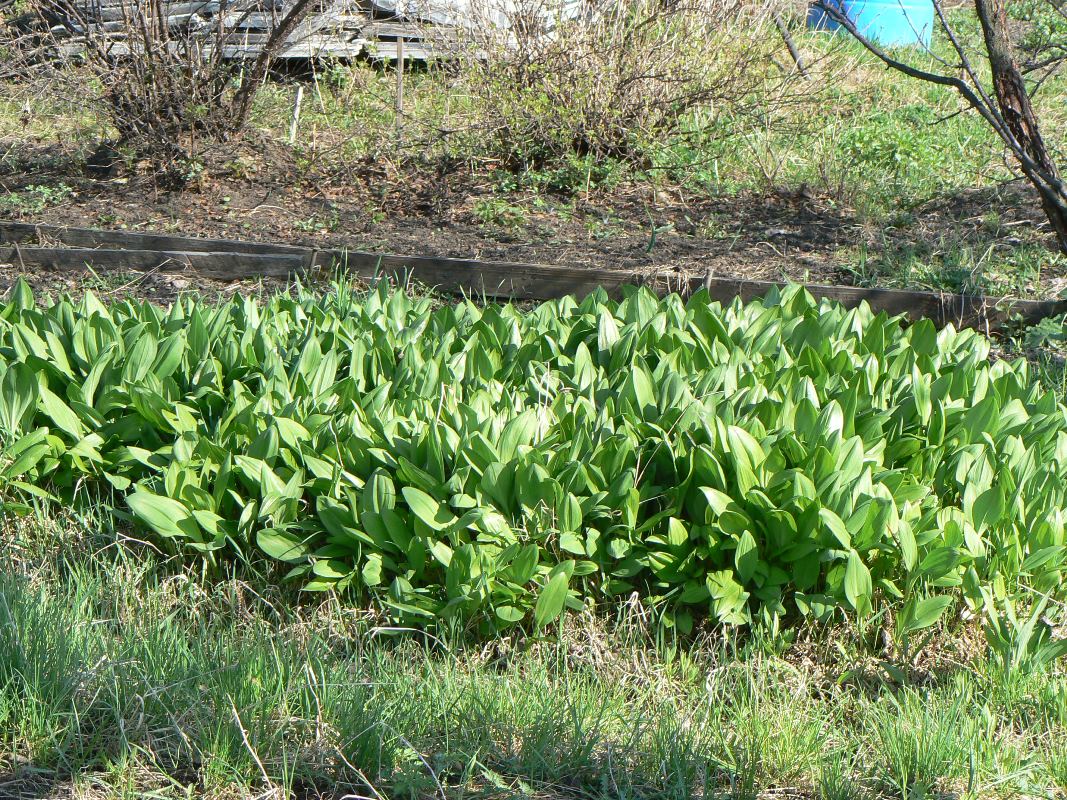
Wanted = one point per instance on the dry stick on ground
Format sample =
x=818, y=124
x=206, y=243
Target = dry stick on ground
x=1011, y=114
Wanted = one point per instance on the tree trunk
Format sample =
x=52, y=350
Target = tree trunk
x=242, y=101
x=1019, y=117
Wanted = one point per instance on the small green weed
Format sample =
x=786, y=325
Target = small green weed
x=326, y=223
x=712, y=227
x=923, y=741
x=603, y=226
x=498, y=212
x=34, y=199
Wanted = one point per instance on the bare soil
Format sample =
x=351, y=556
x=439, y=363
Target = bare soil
x=266, y=195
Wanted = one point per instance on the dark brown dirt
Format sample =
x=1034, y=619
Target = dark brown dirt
x=268, y=197
x=264, y=194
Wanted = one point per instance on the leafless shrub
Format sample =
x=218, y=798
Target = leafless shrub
x=549, y=79
x=166, y=81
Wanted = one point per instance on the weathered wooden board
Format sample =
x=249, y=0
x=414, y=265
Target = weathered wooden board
x=117, y=27
x=315, y=47
x=389, y=51
x=230, y=260
x=172, y=10
x=972, y=311
x=45, y=235
x=323, y=48
x=222, y=266
x=408, y=30
x=264, y=22
x=543, y=282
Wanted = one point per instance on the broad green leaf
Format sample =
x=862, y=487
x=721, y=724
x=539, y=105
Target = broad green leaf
x=746, y=557
x=164, y=515
x=427, y=509
x=857, y=582
x=282, y=545
x=61, y=414
x=925, y=613
x=550, y=601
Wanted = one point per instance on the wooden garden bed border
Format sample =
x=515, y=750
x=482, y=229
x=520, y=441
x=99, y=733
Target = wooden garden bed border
x=30, y=244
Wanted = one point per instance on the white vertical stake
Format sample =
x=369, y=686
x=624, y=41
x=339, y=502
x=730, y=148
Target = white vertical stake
x=296, y=114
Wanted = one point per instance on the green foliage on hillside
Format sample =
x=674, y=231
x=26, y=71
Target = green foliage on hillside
x=747, y=463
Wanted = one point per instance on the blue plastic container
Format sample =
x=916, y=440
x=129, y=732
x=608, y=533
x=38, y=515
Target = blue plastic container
x=889, y=22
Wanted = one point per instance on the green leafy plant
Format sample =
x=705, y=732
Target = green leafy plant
x=1021, y=644
x=497, y=212
x=35, y=199
x=740, y=463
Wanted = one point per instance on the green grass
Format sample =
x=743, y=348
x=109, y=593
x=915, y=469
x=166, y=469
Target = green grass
x=949, y=264
x=121, y=673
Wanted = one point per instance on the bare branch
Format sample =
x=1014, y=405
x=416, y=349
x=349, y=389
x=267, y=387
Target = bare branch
x=1011, y=116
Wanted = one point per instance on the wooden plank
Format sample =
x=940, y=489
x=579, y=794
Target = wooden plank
x=316, y=47
x=388, y=51
x=179, y=21
x=257, y=21
x=320, y=47
x=29, y=233
x=231, y=259
x=351, y=21
x=543, y=282
x=325, y=47
x=122, y=26
x=409, y=30
x=171, y=9
x=222, y=266
x=314, y=39
x=134, y=7
x=265, y=21
x=393, y=30
x=974, y=311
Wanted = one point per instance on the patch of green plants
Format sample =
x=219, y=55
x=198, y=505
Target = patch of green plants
x=603, y=226
x=499, y=212
x=566, y=177
x=749, y=463
x=35, y=199
x=954, y=265
x=324, y=223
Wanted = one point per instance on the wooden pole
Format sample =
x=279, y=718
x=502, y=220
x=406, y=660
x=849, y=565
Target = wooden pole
x=399, y=89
